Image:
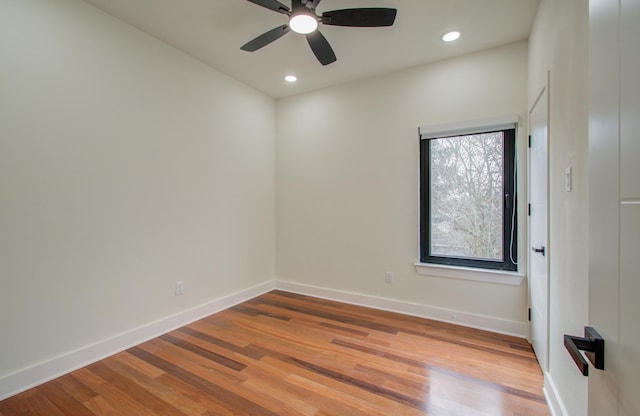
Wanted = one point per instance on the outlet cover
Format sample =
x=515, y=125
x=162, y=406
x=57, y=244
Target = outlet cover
x=179, y=288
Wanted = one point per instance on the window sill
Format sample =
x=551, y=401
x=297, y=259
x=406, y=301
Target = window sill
x=466, y=273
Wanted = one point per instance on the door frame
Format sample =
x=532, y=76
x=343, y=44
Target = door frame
x=544, y=93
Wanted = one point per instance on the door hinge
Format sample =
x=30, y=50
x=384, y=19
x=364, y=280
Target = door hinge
x=529, y=314
x=529, y=140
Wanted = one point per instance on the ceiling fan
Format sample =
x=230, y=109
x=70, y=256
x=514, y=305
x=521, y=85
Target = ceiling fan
x=303, y=19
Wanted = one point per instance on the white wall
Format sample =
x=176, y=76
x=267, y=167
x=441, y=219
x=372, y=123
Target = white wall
x=347, y=180
x=559, y=43
x=125, y=166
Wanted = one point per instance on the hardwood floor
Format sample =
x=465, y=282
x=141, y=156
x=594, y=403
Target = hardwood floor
x=287, y=354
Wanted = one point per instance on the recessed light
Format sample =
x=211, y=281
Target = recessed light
x=291, y=78
x=303, y=23
x=451, y=36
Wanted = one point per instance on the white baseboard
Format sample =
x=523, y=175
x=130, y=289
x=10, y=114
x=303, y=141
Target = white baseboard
x=37, y=374
x=556, y=405
x=501, y=326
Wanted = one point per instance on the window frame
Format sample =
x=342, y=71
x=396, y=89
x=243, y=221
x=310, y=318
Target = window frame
x=510, y=206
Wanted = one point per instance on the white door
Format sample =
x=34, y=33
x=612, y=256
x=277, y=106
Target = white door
x=614, y=193
x=538, y=247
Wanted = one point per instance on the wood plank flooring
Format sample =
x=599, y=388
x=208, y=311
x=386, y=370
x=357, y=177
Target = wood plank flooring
x=287, y=354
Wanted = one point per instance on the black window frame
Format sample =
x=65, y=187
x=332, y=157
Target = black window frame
x=510, y=213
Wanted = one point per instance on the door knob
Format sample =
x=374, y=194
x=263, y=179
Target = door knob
x=592, y=343
x=540, y=250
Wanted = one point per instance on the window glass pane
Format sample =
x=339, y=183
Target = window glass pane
x=466, y=201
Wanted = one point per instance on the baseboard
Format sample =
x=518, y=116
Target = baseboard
x=501, y=326
x=40, y=373
x=556, y=405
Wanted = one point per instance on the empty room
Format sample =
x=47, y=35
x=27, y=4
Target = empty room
x=306, y=207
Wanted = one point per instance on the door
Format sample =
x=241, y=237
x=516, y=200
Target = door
x=538, y=247
x=614, y=203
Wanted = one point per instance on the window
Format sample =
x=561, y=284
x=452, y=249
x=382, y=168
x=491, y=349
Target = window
x=468, y=199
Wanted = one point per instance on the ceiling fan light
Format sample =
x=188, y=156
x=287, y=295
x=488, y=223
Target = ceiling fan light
x=303, y=23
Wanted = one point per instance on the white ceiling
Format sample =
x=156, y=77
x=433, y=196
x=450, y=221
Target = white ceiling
x=213, y=31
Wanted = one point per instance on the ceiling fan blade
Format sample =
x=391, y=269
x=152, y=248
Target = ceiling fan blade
x=313, y=3
x=266, y=38
x=274, y=5
x=321, y=48
x=365, y=17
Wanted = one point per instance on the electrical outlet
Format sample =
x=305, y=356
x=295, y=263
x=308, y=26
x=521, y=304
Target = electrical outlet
x=179, y=288
x=388, y=277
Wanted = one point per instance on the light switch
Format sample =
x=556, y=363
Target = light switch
x=568, y=179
